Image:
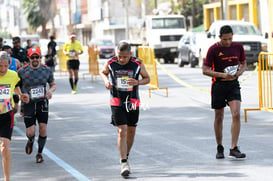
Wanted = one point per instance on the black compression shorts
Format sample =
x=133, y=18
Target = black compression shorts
x=6, y=124
x=223, y=92
x=121, y=116
x=36, y=110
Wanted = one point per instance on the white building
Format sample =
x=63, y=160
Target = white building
x=12, y=20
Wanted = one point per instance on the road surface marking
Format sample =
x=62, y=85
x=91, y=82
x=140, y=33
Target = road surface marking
x=57, y=160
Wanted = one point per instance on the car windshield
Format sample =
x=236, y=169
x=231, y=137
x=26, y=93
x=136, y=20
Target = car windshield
x=245, y=30
x=105, y=43
x=168, y=23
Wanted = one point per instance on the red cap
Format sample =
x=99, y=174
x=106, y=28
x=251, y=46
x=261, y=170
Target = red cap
x=72, y=35
x=34, y=50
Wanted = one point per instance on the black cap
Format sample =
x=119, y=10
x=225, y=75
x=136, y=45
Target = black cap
x=6, y=47
x=16, y=39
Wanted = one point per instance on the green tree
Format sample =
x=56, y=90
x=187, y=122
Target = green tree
x=187, y=10
x=38, y=13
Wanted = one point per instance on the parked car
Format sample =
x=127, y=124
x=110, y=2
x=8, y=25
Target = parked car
x=188, y=51
x=106, y=47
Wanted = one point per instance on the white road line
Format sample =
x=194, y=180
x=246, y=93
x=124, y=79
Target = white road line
x=57, y=160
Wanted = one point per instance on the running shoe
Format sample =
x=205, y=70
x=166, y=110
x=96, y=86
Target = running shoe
x=29, y=147
x=75, y=88
x=73, y=92
x=125, y=169
x=39, y=158
x=236, y=154
x=220, y=152
x=130, y=171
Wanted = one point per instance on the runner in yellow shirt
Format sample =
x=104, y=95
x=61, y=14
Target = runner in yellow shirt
x=8, y=82
x=72, y=50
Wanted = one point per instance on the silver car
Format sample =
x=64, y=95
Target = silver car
x=188, y=51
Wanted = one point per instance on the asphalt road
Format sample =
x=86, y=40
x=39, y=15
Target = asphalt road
x=174, y=142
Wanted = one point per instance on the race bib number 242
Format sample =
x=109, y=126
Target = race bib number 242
x=4, y=92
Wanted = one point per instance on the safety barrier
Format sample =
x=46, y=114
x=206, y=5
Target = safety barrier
x=93, y=61
x=146, y=54
x=62, y=60
x=265, y=71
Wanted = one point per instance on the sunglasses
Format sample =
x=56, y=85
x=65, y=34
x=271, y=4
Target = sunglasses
x=34, y=57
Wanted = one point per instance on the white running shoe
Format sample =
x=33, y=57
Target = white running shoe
x=130, y=171
x=125, y=169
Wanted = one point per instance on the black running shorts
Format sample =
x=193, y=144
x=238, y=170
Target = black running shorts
x=121, y=116
x=223, y=92
x=6, y=124
x=73, y=64
x=36, y=110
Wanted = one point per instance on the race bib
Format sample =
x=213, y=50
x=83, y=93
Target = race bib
x=231, y=69
x=5, y=99
x=5, y=92
x=72, y=53
x=122, y=82
x=37, y=92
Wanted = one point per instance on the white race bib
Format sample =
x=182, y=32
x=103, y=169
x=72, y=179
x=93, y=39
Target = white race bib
x=72, y=53
x=122, y=82
x=231, y=69
x=5, y=93
x=37, y=92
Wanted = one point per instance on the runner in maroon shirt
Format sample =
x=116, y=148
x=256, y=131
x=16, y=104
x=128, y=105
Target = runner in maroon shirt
x=225, y=62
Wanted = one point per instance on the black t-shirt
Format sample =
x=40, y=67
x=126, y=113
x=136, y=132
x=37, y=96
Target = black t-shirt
x=52, y=45
x=20, y=54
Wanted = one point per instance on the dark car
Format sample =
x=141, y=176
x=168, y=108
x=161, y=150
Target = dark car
x=188, y=51
x=106, y=47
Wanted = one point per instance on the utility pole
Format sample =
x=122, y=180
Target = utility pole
x=155, y=1
x=224, y=11
x=125, y=5
x=193, y=13
x=70, y=26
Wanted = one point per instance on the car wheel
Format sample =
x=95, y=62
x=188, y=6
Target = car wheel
x=181, y=64
x=193, y=63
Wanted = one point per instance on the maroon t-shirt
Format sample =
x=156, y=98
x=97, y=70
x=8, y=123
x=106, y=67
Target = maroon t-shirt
x=219, y=57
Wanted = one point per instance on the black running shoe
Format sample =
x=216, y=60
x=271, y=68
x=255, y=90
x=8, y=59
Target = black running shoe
x=29, y=146
x=39, y=158
x=236, y=154
x=220, y=152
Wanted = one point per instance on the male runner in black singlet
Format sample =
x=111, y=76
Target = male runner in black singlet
x=124, y=71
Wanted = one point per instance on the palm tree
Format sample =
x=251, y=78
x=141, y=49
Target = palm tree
x=38, y=13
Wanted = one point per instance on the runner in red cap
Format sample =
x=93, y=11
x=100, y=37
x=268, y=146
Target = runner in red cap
x=34, y=79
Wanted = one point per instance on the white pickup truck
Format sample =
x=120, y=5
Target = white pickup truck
x=245, y=33
x=163, y=32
